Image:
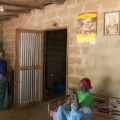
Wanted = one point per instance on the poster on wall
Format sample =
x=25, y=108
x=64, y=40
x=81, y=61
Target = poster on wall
x=86, y=28
x=111, y=23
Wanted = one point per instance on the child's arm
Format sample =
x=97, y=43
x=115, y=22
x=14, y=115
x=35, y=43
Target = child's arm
x=77, y=104
x=76, y=100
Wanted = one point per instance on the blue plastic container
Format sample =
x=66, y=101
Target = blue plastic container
x=59, y=86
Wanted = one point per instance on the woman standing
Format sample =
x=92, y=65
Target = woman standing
x=3, y=82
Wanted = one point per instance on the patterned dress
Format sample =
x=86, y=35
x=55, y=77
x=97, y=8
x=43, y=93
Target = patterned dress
x=3, y=86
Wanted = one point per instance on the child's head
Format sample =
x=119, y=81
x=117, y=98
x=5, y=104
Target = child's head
x=2, y=54
x=84, y=84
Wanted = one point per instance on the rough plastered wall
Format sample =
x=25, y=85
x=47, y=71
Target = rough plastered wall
x=1, y=35
x=99, y=62
x=1, y=31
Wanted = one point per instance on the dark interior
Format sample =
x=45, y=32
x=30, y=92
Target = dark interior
x=55, y=63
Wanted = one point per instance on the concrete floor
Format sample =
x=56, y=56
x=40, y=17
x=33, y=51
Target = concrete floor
x=36, y=112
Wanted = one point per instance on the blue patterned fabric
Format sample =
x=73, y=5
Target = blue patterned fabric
x=3, y=66
x=3, y=94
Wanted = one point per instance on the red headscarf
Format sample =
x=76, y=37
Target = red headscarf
x=87, y=83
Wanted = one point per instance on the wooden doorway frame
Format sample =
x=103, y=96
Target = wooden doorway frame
x=15, y=105
x=53, y=29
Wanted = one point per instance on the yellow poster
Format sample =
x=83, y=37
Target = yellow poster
x=86, y=28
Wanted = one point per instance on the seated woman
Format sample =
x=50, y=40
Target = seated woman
x=81, y=108
x=3, y=82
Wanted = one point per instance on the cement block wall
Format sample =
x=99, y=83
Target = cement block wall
x=99, y=62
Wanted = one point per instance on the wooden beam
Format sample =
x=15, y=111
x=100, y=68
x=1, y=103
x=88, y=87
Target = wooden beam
x=17, y=11
x=21, y=5
x=5, y=19
x=4, y=16
x=8, y=17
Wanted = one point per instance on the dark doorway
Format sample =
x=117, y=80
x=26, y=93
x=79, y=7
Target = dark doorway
x=55, y=55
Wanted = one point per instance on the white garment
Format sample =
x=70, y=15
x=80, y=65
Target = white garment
x=86, y=110
x=73, y=106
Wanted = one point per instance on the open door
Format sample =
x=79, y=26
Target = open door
x=55, y=63
x=28, y=67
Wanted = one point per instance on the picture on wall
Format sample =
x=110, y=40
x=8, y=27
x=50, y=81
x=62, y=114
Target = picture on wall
x=86, y=28
x=111, y=23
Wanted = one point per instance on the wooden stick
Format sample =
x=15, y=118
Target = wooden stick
x=21, y=5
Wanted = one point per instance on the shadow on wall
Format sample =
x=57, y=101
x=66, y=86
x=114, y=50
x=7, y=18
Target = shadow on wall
x=104, y=86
